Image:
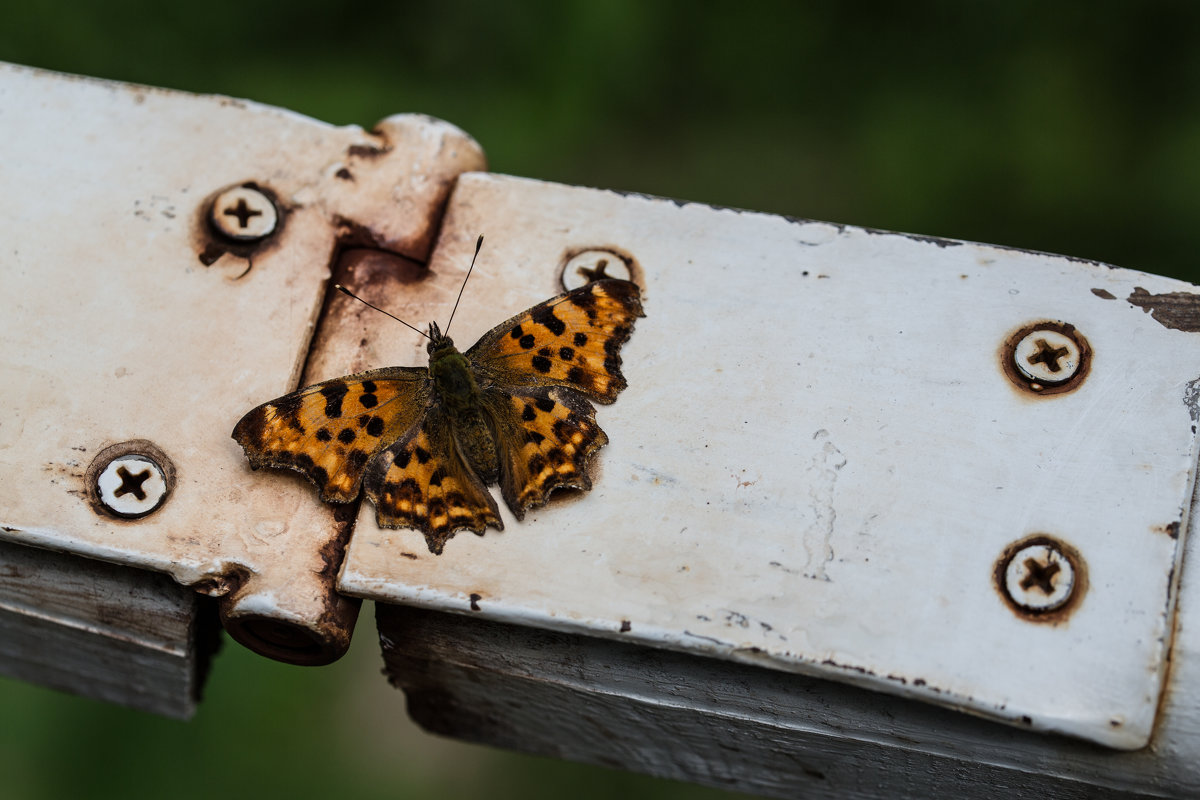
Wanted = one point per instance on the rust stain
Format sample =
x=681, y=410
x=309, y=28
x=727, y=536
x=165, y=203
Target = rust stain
x=1104, y=293
x=367, y=151
x=1030, y=388
x=475, y=598
x=1054, y=616
x=626, y=626
x=210, y=245
x=1178, y=311
x=91, y=490
x=1170, y=529
x=636, y=274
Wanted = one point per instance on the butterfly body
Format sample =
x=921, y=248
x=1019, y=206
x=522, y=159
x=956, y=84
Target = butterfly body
x=423, y=443
x=455, y=388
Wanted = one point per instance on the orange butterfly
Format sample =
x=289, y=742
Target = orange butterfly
x=424, y=442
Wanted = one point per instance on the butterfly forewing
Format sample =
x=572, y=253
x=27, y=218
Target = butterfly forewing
x=330, y=431
x=571, y=340
x=422, y=482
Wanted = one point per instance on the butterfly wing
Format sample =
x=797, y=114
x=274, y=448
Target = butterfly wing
x=535, y=370
x=330, y=431
x=548, y=435
x=422, y=482
x=572, y=340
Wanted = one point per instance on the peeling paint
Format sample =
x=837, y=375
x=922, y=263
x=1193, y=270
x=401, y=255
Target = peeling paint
x=1175, y=310
x=818, y=536
x=1191, y=398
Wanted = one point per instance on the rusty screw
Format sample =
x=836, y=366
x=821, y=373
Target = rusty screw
x=1047, y=357
x=132, y=486
x=244, y=214
x=593, y=265
x=1038, y=577
x=130, y=479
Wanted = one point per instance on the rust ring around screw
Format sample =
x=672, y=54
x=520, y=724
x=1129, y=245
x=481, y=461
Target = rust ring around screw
x=582, y=265
x=1047, y=562
x=1026, y=343
x=129, y=480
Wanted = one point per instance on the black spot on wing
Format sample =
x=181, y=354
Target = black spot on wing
x=528, y=414
x=586, y=301
x=562, y=431
x=375, y=426
x=346, y=436
x=545, y=317
x=369, y=400
x=541, y=364
x=544, y=404
x=323, y=435
x=334, y=394
x=526, y=341
x=581, y=339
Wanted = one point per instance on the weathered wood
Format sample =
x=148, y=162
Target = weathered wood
x=104, y=631
x=730, y=725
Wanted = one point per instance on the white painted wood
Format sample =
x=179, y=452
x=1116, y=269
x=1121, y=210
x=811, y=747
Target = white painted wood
x=737, y=726
x=104, y=631
x=819, y=460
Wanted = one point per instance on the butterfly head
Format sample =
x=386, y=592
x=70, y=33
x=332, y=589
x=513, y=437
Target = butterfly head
x=438, y=340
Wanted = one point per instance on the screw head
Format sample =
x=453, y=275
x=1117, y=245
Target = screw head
x=243, y=214
x=1038, y=576
x=1047, y=356
x=130, y=479
x=594, y=264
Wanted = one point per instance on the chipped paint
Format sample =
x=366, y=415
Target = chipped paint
x=1175, y=310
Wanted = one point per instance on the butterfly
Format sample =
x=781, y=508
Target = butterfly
x=425, y=442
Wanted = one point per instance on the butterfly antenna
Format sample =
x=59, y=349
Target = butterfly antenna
x=346, y=291
x=478, y=245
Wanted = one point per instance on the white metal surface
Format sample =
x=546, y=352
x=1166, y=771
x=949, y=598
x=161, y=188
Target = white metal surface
x=820, y=460
x=128, y=318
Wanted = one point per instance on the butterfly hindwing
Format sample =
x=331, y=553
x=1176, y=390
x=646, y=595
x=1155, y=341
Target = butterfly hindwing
x=422, y=482
x=547, y=436
x=571, y=340
x=330, y=431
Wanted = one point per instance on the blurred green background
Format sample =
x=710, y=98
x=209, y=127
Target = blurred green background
x=1070, y=128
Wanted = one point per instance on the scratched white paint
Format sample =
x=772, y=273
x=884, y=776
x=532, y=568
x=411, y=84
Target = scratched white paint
x=818, y=461
x=114, y=329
